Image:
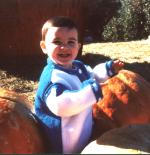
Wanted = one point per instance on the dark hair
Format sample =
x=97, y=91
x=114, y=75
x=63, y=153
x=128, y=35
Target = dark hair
x=58, y=21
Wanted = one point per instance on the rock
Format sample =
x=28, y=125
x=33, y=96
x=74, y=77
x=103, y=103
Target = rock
x=131, y=139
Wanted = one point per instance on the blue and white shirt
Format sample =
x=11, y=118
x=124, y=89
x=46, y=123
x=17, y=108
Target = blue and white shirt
x=64, y=100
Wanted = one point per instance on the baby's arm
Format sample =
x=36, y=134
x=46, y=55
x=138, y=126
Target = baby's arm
x=104, y=71
x=69, y=103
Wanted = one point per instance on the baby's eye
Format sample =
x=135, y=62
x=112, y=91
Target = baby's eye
x=57, y=42
x=71, y=43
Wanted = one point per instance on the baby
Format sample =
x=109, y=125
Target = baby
x=68, y=88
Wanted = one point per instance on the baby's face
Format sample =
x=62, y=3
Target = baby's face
x=61, y=45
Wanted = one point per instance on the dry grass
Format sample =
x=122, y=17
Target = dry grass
x=129, y=52
x=135, y=54
x=18, y=84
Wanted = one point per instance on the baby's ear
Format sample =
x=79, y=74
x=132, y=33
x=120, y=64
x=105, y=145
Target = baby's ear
x=43, y=47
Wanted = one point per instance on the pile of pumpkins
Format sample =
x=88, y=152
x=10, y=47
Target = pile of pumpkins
x=121, y=119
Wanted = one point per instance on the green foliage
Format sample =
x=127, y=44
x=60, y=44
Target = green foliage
x=132, y=22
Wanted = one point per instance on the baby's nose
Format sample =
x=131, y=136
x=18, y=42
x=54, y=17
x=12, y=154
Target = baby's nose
x=63, y=46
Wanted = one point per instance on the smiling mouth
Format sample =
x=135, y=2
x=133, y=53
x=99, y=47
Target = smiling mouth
x=64, y=55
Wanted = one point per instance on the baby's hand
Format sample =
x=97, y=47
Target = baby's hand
x=117, y=65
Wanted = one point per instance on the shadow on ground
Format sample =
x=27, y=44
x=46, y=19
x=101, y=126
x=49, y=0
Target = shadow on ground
x=30, y=67
x=141, y=68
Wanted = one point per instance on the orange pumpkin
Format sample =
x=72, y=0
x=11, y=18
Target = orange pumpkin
x=126, y=101
x=19, y=130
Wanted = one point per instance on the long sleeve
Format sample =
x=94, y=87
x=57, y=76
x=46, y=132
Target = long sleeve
x=103, y=71
x=70, y=103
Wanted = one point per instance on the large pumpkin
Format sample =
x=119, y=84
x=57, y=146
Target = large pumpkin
x=19, y=130
x=131, y=139
x=126, y=101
